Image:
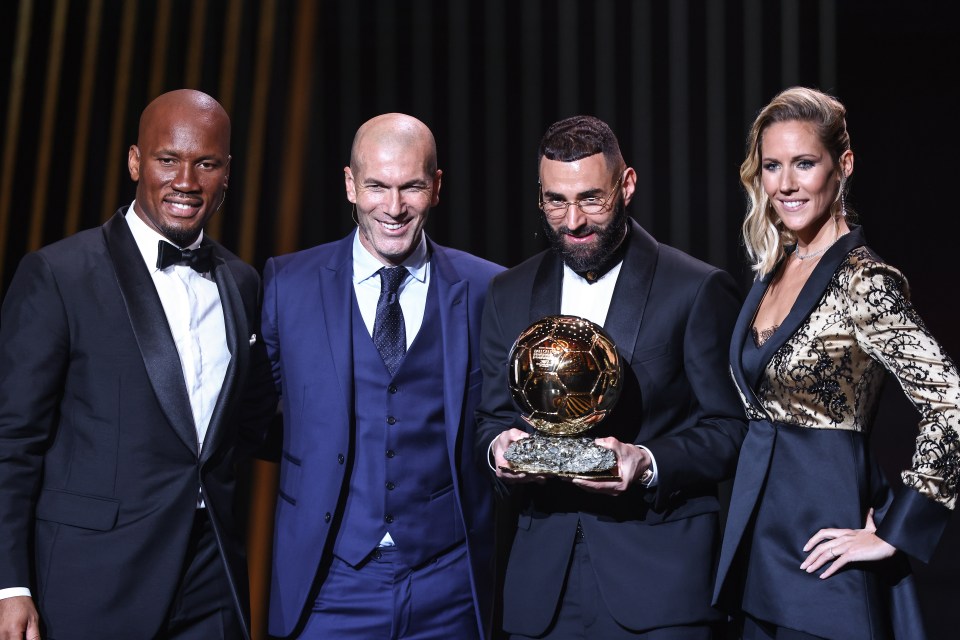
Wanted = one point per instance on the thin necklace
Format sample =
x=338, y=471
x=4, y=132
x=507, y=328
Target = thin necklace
x=814, y=254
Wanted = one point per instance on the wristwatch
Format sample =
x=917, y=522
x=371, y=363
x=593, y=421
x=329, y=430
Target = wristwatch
x=646, y=477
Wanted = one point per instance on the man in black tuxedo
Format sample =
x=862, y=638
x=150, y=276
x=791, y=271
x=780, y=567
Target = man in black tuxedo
x=131, y=380
x=634, y=557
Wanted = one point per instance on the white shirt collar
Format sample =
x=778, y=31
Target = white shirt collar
x=366, y=265
x=146, y=238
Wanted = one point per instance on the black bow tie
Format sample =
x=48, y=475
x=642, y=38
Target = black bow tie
x=199, y=259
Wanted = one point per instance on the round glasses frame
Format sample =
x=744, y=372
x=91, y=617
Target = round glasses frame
x=557, y=209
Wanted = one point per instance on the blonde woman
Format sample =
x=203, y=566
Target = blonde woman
x=816, y=538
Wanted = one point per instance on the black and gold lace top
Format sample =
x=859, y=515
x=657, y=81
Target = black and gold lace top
x=828, y=374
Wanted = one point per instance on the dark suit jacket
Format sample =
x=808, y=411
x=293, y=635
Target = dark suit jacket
x=307, y=326
x=99, y=468
x=654, y=550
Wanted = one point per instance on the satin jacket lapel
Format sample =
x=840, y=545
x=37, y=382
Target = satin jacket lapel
x=336, y=299
x=235, y=322
x=633, y=288
x=807, y=301
x=455, y=333
x=547, y=287
x=149, y=323
x=741, y=333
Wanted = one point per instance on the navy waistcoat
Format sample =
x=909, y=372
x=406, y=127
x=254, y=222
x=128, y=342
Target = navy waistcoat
x=401, y=480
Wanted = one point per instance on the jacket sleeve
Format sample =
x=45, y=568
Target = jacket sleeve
x=889, y=329
x=496, y=412
x=34, y=357
x=705, y=453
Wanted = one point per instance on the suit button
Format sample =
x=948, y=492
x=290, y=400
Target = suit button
x=388, y=519
x=391, y=453
x=340, y=458
x=391, y=486
x=391, y=420
x=392, y=388
x=326, y=517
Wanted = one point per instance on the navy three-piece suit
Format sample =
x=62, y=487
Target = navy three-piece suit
x=365, y=452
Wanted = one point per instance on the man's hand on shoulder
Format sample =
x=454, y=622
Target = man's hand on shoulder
x=632, y=461
x=19, y=619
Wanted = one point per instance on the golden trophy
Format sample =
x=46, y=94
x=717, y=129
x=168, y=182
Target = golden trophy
x=565, y=376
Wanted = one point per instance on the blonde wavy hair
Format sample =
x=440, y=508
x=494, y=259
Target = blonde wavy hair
x=764, y=236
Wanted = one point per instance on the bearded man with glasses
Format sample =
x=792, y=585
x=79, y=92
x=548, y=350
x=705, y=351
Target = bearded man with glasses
x=632, y=557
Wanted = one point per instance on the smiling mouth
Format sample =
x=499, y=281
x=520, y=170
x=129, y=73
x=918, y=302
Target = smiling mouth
x=792, y=205
x=180, y=205
x=393, y=226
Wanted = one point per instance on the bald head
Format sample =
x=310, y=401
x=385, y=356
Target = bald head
x=184, y=104
x=181, y=163
x=395, y=131
x=393, y=181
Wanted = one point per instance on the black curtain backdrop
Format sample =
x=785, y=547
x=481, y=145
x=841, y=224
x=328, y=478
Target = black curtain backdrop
x=679, y=81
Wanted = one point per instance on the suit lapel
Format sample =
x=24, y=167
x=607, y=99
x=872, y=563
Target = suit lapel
x=452, y=293
x=235, y=322
x=741, y=333
x=547, y=287
x=149, y=324
x=336, y=300
x=633, y=288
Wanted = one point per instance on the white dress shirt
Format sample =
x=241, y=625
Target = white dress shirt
x=413, y=290
x=592, y=301
x=191, y=302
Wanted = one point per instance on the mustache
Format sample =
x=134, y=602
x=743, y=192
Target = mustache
x=580, y=232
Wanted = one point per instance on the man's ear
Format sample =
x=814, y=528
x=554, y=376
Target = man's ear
x=350, y=185
x=435, y=196
x=133, y=162
x=629, y=185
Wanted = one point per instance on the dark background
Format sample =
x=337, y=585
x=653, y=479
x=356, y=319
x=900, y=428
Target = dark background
x=678, y=81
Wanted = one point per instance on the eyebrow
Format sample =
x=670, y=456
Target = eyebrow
x=164, y=153
x=374, y=182
x=590, y=193
x=802, y=156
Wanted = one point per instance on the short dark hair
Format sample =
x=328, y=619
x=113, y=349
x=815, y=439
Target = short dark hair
x=579, y=137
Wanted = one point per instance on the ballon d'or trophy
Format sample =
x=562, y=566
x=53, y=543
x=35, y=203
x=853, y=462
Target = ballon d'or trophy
x=565, y=376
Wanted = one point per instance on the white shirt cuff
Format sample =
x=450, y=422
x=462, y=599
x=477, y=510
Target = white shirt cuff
x=490, y=456
x=12, y=592
x=653, y=467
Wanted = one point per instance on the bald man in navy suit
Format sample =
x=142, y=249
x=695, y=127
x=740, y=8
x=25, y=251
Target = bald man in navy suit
x=384, y=518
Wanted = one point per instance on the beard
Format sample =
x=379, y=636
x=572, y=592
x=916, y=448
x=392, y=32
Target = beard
x=179, y=236
x=595, y=256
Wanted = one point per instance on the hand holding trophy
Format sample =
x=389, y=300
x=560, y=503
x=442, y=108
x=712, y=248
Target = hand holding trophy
x=565, y=376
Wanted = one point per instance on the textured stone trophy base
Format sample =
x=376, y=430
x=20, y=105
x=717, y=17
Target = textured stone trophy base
x=564, y=456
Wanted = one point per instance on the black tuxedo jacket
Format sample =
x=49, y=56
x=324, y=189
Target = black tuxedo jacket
x=99, y=464
x=654, y=550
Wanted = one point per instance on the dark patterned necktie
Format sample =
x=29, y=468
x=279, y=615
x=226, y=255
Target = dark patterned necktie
x=389, y=333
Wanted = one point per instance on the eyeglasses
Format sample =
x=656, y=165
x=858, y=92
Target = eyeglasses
x=556, y=209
